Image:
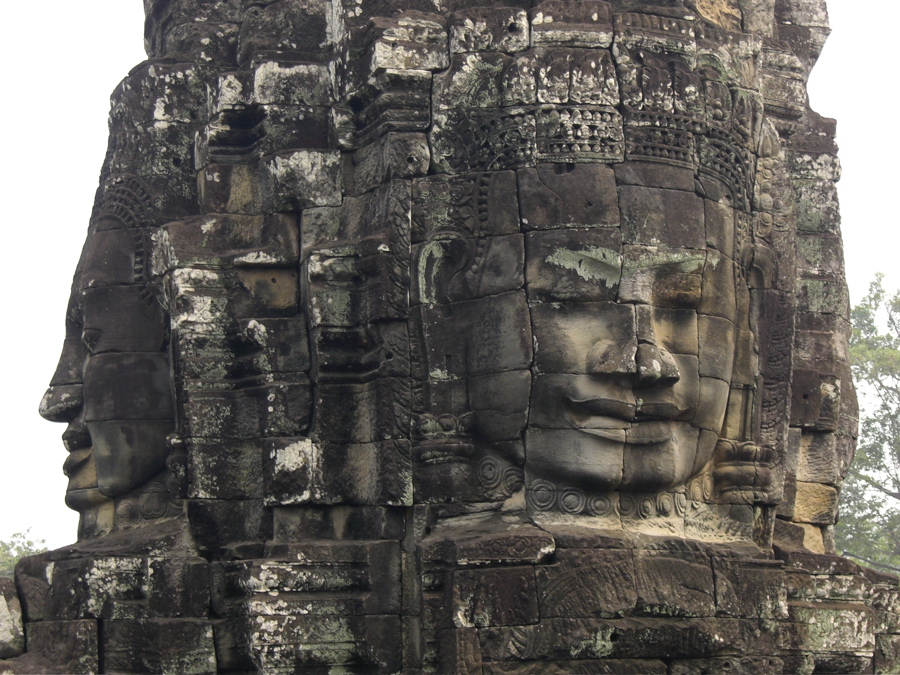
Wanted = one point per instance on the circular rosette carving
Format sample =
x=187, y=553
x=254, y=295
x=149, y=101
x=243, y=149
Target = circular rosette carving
x=154, y=502
x=665, y=505
x=89, y=522
x=513, y=479
x=542, y=495
x=647, y=508
x=489, y=472
x=696, y=490
x=599, y=505
x=572, y=501
x=627, y=506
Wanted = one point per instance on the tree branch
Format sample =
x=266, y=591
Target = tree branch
x=872, y=483
x=870, y=562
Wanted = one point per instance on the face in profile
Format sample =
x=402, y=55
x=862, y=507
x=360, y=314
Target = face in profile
x=113, y=382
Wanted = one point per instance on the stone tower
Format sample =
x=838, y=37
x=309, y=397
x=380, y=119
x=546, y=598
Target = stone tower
x=465, y=337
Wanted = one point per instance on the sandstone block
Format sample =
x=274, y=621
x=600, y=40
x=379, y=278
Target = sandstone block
x=12, y=630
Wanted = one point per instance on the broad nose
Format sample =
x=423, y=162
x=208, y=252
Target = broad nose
x=635, y=353
x=61, y=403
x=63, y=400
x=76, y=436
x=655, y=366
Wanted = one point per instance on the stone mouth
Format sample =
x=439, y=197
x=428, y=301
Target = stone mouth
x=638, y=433
x=599, y=412
x=650, y=432
x=599, y=408
x=75, y=460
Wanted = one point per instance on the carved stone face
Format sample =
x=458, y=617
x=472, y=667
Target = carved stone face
x=626, y=394
x=633, y=317
x=113, y=384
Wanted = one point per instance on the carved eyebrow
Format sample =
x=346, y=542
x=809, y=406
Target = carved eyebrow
x=591, y=264
x=686, y=261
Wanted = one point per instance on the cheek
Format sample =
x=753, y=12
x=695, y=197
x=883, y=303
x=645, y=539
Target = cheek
x=128, y=453
x=500, y=404
x=127, y=387
x=719, y=290
x=685, y=394
x=587, y=337
x=711, y=405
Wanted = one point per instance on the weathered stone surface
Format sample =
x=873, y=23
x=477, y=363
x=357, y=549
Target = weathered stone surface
x=674, y=586
x=304, y=178
x=543, y=205
x=887, y=653
x=59, y=647
x=815, y=503
x=584, y=25
x=586, y=667
x=498, y=597
x=12, y=629
x=588, y=583
x=459, y=338
x=555, y=639
x=484, y=29
x=158, y=646
x=754, y=665
x=753, y=588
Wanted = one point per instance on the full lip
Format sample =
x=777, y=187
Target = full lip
x=77, y=441
x=623, y=422
x=75, y=460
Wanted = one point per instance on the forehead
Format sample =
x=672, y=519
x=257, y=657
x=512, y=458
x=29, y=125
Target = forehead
x=642, y=203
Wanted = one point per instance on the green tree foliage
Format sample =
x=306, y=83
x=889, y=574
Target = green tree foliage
x=869, y=528
x=17, y=546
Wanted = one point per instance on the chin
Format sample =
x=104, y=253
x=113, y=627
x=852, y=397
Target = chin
x=576, y=458
x=81, y=499
x=654, y=470
x=572, y=458
x=656, y=467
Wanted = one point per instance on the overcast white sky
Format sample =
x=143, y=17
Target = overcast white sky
x=63, y=59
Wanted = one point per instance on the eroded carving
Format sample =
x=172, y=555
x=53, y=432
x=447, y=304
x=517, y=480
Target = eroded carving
x=432, y=337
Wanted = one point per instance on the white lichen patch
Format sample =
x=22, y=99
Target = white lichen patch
x=597, y=646
x=303, y=462
x=231, y=91
x=256, y=332
x=591, y=264
x=112, y=578
x=688, y=262
x=272, y=81
x=12, y=636
x=197, y=297
x=159, y=110
x=257, y=258
x=163, y=256
x=313, y=175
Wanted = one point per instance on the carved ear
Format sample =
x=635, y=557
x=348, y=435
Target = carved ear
x=760, y=266
x=438, y=264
